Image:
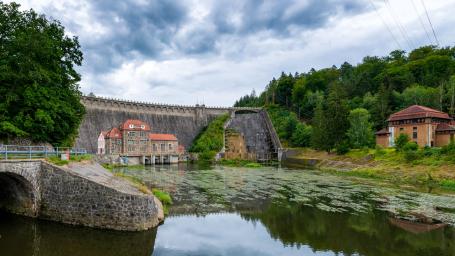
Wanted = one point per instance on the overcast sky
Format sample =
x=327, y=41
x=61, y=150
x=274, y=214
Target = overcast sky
x=214, y=51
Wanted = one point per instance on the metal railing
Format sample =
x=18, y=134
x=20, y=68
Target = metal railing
x=33, y=152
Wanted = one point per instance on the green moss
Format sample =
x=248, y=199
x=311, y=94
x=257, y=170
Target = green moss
x=240, y=163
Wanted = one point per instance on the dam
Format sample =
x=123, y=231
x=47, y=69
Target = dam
x=186, y=122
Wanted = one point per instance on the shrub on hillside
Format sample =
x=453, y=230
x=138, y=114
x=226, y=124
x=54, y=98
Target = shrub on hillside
x=301, y=136
x=401, y=141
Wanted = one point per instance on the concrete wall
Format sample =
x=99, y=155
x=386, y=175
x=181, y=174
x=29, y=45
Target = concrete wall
x=256, y=134
x=60, y=194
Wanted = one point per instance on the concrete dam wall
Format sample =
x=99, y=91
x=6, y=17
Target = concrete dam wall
x=184, y=121
x=260, y=136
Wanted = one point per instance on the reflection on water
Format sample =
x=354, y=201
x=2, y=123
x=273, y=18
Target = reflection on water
x=235, y=211
x=24, y=236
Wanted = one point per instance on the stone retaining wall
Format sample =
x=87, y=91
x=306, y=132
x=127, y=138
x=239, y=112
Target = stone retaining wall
x=60, y=194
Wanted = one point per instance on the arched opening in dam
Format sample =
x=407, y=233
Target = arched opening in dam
x=16, y=194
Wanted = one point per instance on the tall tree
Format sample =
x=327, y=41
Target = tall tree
x=39, y=94
x=336, y=116
x=360, y=132
x=319, y=126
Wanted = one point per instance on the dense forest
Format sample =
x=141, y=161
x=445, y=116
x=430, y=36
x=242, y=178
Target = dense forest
x=341, y=107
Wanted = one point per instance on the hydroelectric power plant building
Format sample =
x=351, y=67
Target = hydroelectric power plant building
x=134, y=142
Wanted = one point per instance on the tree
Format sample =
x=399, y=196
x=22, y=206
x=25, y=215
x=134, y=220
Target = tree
x=401, y=141
x=319, y=127
x=301, y=136
x=451, y=95
x=421, y=95
x=336, y=117
x=39, y=94
x=360, y=132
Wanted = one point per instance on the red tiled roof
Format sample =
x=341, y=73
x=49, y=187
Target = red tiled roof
x=382, y=132
x=113, y=133
x=417, y=111
x=161, y=136
x=444, y=127
x=137, y=125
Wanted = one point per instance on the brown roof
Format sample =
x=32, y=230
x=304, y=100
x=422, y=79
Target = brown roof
x=160, y=136
x=444, y=127
x=113, y=133
x=417, y=111
x=382, y=132
x=137, y=125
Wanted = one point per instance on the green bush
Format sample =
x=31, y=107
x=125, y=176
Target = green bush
x=342, y=148
x=302, y=135
x=410, y=146
x=429, y=151
x=401, y=141
x=448, y=149
x=412, y=155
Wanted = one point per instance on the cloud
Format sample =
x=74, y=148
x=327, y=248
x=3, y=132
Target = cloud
x=215, y=51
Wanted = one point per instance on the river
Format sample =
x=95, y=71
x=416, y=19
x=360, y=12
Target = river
x=264, y=211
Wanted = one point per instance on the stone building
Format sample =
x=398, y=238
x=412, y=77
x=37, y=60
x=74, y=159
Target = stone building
x=134, y=142
x=425, y=126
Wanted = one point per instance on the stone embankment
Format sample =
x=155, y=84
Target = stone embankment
x=80, y=194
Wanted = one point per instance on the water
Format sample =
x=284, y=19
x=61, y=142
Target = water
x=266, y=211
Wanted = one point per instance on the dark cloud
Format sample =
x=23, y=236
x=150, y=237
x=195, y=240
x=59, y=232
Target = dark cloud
x=279, y=16
x=149, y=28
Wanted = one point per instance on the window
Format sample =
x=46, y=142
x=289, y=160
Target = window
x=131, y=126
x=163, y=147
x=130, y=142
x=155, y=147
x=401, y=129
x=131, y=134
x=170, y=146
x=414, y=132
x=142, y=126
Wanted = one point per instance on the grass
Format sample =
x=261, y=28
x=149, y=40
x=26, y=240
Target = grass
x=57, y=160
x=431, y=168
x=165, y=199
x=448, y=184
x=210, y=140
x=73, y=158
x=135, y=182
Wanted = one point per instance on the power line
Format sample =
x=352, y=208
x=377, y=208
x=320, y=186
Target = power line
x=429, y=21
x=421, y=21
x=400, y=27
x=386, y=25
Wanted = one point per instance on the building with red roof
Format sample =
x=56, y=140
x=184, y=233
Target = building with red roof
x=425, y=126
x=133, y=140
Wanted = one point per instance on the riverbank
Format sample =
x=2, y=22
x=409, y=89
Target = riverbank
x=431, y=171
